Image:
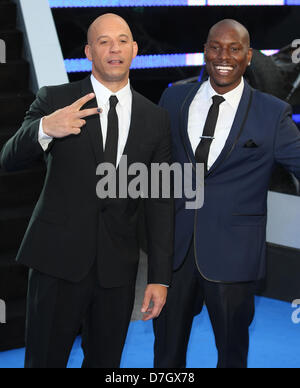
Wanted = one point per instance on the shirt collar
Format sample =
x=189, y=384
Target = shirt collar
x=103, y=93
x=233, y=97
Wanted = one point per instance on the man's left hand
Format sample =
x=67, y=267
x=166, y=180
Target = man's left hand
x=157, y=294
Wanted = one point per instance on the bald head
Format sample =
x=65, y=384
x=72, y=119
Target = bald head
x=227, y=55
x=103, y=20
x=230, y=24
x=111, y=50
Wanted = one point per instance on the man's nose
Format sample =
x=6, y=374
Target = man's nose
x=224, y=53
x=115, y=46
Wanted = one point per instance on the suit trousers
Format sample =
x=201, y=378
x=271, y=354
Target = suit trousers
x=231, y=311
x=57, y=310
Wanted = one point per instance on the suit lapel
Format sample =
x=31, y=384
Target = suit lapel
x=136, y=127
x=184, y=118
x=235, y=132
x=93, y=125
x=236, y=129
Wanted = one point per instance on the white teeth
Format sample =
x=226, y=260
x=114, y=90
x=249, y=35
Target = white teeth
x=224, y=68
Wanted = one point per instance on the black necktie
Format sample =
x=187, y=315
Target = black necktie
x=202, y=150
x=111, y=145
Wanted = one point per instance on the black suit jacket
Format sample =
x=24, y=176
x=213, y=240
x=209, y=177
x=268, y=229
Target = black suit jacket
x=70, y=226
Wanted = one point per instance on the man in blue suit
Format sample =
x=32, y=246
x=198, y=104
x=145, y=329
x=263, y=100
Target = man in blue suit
x=238, y=134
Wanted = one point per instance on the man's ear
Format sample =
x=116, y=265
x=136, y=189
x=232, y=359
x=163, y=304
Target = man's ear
x=250, y=55
x=88, y=52
x=135, y=49
x=205, y=50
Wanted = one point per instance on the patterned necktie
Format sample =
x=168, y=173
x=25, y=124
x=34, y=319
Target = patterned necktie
x=203, y=148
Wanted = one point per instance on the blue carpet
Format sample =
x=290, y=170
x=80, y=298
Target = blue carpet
x=274, y=342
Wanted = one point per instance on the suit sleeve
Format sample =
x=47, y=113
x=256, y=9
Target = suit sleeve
x=287, y=143
x=159, y=214
x=24, y=147
x=163, y=98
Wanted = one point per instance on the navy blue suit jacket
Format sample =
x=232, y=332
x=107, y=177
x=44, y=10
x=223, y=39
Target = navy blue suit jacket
x=230, y=229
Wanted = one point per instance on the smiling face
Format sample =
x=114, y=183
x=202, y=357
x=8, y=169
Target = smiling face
x=111, y=49
x=227, y=55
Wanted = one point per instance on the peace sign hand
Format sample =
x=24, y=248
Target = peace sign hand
x=69, y=120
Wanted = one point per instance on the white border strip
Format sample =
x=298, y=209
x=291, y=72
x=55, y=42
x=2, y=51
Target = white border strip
x=245, y=2
x=283, y=220
x=41, y=44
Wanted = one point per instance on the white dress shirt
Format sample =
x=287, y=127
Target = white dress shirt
x=123, y=109
x=198, y=113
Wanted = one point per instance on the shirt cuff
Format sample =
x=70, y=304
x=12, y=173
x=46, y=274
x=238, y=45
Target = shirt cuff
x=44, y=139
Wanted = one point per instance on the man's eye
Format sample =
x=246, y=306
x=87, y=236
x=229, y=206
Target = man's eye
x=103, y=42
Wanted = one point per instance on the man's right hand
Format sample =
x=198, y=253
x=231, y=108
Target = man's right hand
x=69, y=120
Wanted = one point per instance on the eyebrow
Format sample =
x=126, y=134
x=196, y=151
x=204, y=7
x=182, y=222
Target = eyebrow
x=216, y=41
x=107, y=36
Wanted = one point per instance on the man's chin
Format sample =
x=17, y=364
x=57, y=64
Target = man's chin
x=112, y=79
x=116, y=76
x=223, y=82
